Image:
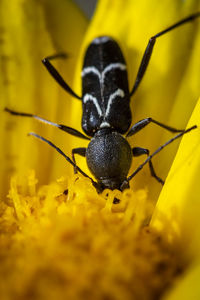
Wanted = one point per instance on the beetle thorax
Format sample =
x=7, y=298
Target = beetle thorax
x=109, y=158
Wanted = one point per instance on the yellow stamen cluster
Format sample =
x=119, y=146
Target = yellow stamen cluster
x=79, y=245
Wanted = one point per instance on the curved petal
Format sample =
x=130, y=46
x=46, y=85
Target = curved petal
x=179, y=200
x=187, y=287
x=31, y=30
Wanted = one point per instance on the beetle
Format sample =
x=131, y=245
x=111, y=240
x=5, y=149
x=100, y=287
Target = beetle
x=106, y=116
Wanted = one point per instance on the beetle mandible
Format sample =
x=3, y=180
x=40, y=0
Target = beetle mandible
x=106, y=114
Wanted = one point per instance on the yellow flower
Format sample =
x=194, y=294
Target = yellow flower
x=78, y=244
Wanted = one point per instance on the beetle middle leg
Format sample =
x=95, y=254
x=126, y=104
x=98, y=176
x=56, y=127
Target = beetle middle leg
x=137, y=151
x=144, y=122
x=65, y=128
x=81, y=151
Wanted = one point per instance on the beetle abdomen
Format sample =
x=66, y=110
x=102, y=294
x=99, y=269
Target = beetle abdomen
x=105, y=89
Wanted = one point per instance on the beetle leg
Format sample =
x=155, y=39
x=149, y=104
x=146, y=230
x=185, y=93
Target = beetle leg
x=125, y=183
x=62, y=55
x=80, y=151
x=63, y=154
x=149, y=49
x=137, y=151
x=67, y=129
x=54, y=73
x=144, y=122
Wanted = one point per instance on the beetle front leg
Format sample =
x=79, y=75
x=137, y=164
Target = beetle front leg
x=80, y=151
x=137, y=151
x=63, y=154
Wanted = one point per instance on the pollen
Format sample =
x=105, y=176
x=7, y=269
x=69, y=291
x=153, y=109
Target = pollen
x=64, y=241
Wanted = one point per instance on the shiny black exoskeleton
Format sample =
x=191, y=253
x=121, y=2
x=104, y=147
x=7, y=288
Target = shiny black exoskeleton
x=106, y=113
x=109, y=157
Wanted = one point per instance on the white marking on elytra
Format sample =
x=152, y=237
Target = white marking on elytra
x=113, y=66
x=101, y=39
x=100, y=75
x=104, y=124
x=117, y=93
x=46, y=121
x=88, y=70
x=89, y=97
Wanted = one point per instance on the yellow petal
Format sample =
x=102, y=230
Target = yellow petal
x=188, y=286
x=179, y=200
x=187, y=93
x=132, y=23
x=31, y=30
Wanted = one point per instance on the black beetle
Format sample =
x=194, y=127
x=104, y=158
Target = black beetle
x=106, y=112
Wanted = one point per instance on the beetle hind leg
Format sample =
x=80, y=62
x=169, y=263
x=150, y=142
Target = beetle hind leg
x=56, y=75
